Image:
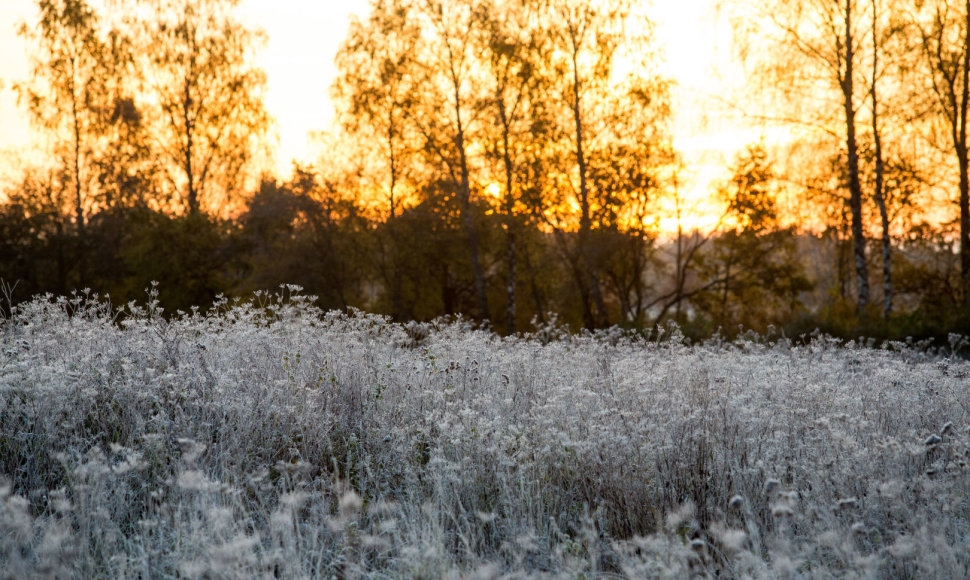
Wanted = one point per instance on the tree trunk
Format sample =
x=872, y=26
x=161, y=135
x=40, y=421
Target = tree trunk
x=855, y=187
x=467, y=219
x=78, y=197
x=193, y=195
x=392, y=162
x=78, y=201
x=726, y=294
x=596, y=312
x=509, y=220
x=464, y=189
x=962, y=156
x=880, y=194
x=534, y=287
x=394, y=277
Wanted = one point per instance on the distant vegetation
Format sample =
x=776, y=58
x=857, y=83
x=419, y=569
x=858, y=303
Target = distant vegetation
x=508, y=161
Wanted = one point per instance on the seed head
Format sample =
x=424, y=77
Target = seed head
x=847, y=503
x=781, y=511
x=771, y=486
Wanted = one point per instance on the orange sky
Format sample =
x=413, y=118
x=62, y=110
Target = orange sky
x=304, y=36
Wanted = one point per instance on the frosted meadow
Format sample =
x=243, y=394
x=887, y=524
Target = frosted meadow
x=269, y=439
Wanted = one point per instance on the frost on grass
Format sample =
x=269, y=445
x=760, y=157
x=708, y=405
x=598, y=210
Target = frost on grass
x=269, y=439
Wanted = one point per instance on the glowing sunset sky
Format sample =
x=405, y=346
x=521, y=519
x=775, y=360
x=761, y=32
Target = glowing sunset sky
x=303, y=39
x=304, y=36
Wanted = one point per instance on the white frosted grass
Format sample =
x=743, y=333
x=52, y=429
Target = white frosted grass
x=268, y=439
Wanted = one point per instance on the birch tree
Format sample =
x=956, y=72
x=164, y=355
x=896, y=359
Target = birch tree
x=205, y=96
x=944, y=26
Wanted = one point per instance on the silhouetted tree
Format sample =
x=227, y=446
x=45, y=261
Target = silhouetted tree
x=78, y=95
x=944, y=27
x=880, y=184
x=66, y=88
x=206, y=96
x=38, y=239
x=374, y=90
x=589, y=40
x=513, y=52
x=190, y=257
x=751, y=273
x=305, y=232
x=812, y=50
x=447, y=114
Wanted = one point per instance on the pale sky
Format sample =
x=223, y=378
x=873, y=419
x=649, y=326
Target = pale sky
x=304, y=36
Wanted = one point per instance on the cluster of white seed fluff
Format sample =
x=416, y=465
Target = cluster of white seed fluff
x=266, y=438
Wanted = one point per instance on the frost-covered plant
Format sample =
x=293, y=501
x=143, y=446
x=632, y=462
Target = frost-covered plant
x=266, y=438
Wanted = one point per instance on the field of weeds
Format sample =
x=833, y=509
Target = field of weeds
x=271, y=440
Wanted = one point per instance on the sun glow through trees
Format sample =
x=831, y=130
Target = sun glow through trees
x=303, y=38
x=628, y=150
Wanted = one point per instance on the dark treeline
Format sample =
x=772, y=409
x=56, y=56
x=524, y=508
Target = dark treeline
x=509, y=161
x=415, y=267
